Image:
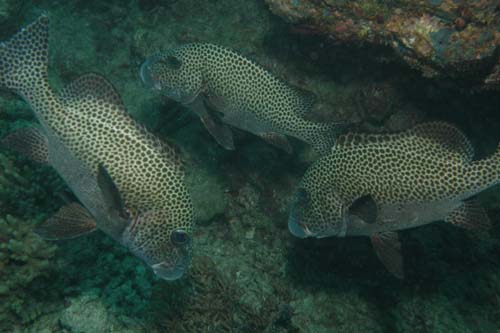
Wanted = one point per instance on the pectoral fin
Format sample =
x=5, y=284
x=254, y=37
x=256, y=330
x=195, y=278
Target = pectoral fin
x=30, y=142
x=470, y=215
x=364, y=208
x=388, y=249
x=278, y=140
x=220, y=132
x=110, y=194
x=70, y=221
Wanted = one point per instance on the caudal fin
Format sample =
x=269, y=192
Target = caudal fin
x=23, y=58
x=325, y=137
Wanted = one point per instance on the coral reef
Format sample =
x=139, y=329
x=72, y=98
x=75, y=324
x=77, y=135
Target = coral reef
x=122, y=283
x=23, y=189
x=440, y=38
x=249, y=274
x=24, y=260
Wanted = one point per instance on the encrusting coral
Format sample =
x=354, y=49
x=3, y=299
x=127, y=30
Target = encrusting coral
x=445, y=38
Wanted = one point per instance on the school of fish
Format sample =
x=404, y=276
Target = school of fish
x=130, y=185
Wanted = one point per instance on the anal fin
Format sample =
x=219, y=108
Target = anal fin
x=388, y=249
x=70, y=221
x=470, y=215
x=278, y=140
x=30, y=142
x=219, y=131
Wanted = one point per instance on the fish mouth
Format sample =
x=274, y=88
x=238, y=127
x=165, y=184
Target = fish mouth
x=145, y=73
x=295, y=226
x=168, y=272
x=295, y=229
x=176, y=264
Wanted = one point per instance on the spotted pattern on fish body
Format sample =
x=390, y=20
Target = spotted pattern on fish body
x=90, y=120
x=412, y=178
x=414, y=166
x=147, y=171
x=249, y=96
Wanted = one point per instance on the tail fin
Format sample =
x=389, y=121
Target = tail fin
x=23, y=58
x=326, y=137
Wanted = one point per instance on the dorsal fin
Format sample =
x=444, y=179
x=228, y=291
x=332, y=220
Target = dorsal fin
x=91, y=88
x=438, y=138
x=92, y=91
x=448, y=137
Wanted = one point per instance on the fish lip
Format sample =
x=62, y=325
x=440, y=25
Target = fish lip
x=144, y=71
x=166, y=271
x=168, y=274
x=296, y=228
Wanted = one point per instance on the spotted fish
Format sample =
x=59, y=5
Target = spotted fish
x=374, y=185
x=130, y=185
x=242, y=93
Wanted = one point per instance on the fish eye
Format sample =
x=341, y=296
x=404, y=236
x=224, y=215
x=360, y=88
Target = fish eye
x=179, y=237
x=172, y=62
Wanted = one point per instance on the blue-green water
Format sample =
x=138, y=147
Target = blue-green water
x=248, y=274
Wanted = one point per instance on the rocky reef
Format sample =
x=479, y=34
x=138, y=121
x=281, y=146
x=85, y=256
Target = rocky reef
x=442, y=39
x=249, y=274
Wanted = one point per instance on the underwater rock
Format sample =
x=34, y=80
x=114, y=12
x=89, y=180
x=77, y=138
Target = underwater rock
x=207, y=194
x=88, y=313
x=75, y=318
x=382, y=108
x=439, y=38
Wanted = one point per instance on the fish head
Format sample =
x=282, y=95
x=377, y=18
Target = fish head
x=161, y=240
x=316, y=214
x=174, y=74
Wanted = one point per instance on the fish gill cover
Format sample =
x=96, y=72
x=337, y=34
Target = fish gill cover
x=377, y=66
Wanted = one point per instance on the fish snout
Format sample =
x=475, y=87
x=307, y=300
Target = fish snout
x=295, y=219
x=174, y=267
x=167, y=272
x=295, y=226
